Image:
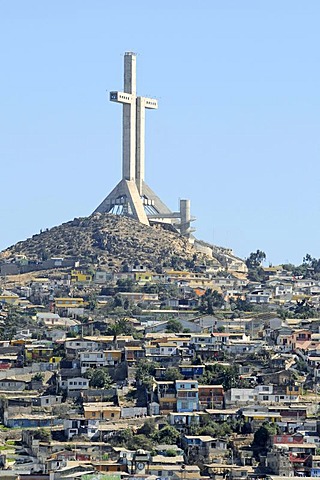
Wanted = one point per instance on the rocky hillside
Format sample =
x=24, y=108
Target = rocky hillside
x=111, y=241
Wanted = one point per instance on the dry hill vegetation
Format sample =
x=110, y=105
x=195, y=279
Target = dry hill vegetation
x=111, y=241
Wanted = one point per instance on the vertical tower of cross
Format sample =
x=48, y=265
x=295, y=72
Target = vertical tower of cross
x=133, y=123
x=128, y=99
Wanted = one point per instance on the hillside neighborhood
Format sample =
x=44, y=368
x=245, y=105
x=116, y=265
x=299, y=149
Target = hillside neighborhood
x=122, y=371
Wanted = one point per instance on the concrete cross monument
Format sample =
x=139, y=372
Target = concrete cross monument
x=132, y=196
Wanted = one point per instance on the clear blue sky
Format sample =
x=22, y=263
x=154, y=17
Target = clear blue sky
x=237, y=130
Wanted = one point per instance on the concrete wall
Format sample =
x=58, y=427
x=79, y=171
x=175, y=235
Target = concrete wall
x=34, y=368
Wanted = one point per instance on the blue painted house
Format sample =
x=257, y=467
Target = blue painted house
x=192, y=371
x=187, y=395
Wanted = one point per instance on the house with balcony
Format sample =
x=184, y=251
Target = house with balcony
x=166, y=393
x=279, y=393
x=299, y=451
x=92, y=360
x=210, y=396
x=75, y=346
x=259, y=295
x=66, y=303
x=133, y=354
x=209, y=341
x=187, y=395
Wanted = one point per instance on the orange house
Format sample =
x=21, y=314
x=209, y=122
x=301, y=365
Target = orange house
x=101, y=411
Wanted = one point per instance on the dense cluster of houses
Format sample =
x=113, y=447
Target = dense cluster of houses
x=279, y=287
x=178, y=394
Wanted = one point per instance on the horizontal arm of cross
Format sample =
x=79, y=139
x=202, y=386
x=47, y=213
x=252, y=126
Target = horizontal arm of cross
x=149, y=102
x=121, y=97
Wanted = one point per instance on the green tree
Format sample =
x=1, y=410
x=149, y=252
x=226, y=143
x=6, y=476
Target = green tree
x=255, y=259
x=172, y=374
x=42, y=434
x=148, y=428
x=99, y=378
x=140, y=441
x=304, y=309
x=92, y=301
x=241, y=305
x=211, y=300
x=262, y=436
x=120, y=327
x=218, y=374
x=254, y=262
x=168, y=435
x=38, y=377
x=122, y=437
x=151, y=288
x=215, y=429
x=145, y=371
x=126, y=285
x=173, y=326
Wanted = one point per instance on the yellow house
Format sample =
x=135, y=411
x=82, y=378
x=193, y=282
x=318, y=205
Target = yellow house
x=261, y=416
x=113, y=357
x=177, y=273
x=101, y=411
x=80, y=277
x=143, y=277
x=9, y=299
x=38, y=352
x=55, y=359
x=69, y=302
x=294, y=390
